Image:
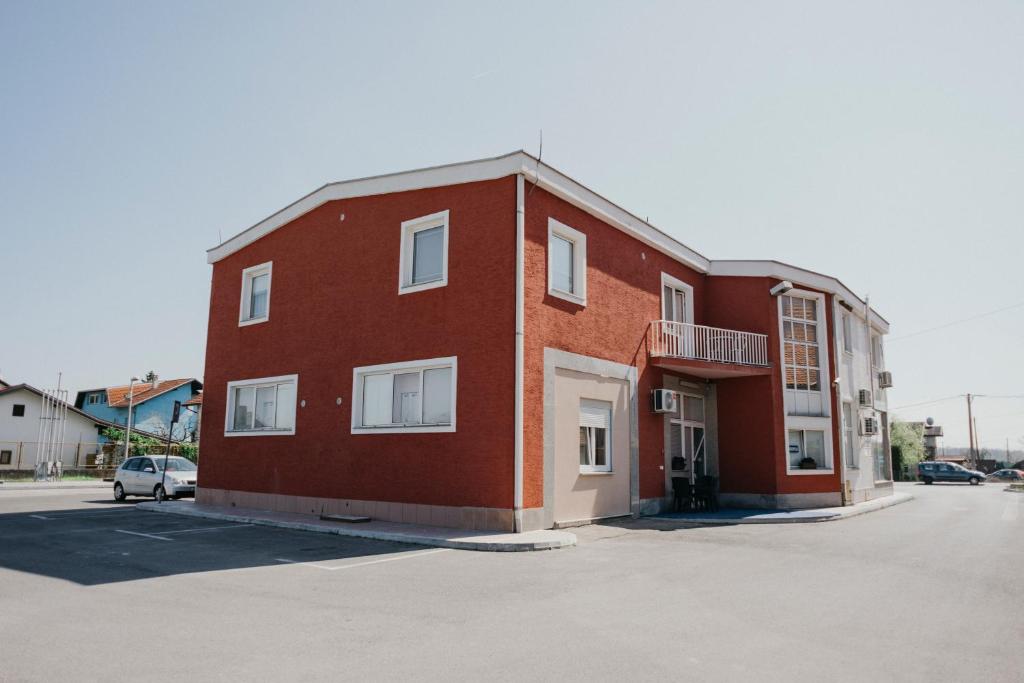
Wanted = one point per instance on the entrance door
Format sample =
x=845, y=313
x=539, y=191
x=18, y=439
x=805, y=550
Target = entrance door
x=688, y=447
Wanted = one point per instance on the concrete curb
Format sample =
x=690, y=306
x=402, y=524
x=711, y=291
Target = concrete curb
x=444, y=538
x=800, y=516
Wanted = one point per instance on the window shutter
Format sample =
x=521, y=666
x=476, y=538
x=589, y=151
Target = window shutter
x=594, y=414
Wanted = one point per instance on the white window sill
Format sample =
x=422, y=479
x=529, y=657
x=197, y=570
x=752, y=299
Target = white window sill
x=421, y=286
x=261, y=432
x=596, y=473
x=568, y=296
x=801, y=473
x=253, y=321
x=420, y=429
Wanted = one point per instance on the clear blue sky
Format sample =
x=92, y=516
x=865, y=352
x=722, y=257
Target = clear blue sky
x=879, y=142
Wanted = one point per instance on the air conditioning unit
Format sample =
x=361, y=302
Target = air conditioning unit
x=884, y=380
x=864, y=397
x=664, y=401
x=870, y=426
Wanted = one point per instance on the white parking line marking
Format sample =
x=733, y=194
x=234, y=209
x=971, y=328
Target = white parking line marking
x=136, y=533
x=409, y=556
x=85, y=513
x=1011, y=510
x=205, y=528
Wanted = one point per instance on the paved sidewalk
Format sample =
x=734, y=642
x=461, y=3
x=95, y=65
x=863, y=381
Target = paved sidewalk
x=738, y=516
x=62, y=485
x=441, y=537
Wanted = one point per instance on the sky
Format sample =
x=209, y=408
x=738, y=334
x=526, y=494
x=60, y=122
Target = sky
x=879, y=142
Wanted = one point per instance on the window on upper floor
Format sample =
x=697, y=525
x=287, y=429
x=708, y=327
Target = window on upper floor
x=800, y=343
x=262, y=406
x=255, y=305
x=417, y=396
x=595, y=436
x=847, y=333
x=423, y=262
x=676, y=300
x=94, y=399
x=877, y=359
x=5, y=457
x=567, y=263
x=18, y=410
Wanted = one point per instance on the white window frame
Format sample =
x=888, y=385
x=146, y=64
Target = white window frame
x=675, y=283
x=607, y=467
x=810, y=424
x=821, y=325
x=94, y=399
x=851, y=447
x=229, y=412
x=847, y=326
x=248, y=275
x=358, y=374
x=877, y=360
x=579, y=262
x=405, y=259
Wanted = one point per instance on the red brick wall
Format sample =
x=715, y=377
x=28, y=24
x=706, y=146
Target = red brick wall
x=334, y=305
x=623, y=297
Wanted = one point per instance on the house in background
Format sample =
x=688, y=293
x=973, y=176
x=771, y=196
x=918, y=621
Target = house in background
x=152, y=404
x=21, y=406
x=492, y=345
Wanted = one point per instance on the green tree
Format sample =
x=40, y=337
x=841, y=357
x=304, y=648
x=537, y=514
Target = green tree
x=140, y=443
x=906, y=441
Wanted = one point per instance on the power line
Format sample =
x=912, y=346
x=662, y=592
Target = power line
x=928, y=403
x=956, y=322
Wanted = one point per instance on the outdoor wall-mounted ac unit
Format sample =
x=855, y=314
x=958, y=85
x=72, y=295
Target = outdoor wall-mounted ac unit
x=870, y=426
x=884, y=380
x=864, y=397
x=664, y=401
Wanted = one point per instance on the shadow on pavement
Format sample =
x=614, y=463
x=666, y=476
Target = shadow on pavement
x=115, y=542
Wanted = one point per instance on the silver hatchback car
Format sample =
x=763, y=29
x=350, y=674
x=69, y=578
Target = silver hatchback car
x=142, y=476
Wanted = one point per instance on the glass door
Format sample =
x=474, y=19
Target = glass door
x=687, y=447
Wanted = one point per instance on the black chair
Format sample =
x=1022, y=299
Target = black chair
x=682, y=494
x=705, y=494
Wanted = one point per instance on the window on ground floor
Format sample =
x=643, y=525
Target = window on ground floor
x=418, y=396
x=806, y=445
x=595, y=436
x=5, y=457
x=261, y=406
x=849, y=436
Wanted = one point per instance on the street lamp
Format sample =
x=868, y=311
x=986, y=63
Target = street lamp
x=128, y=432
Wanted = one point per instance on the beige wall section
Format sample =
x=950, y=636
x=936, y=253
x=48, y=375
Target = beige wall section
x=579, y=496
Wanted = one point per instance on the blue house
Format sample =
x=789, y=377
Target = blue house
x=152, y=404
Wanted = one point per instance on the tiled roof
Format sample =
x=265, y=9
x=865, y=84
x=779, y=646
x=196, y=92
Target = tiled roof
x=196, y=400
x=117, y=397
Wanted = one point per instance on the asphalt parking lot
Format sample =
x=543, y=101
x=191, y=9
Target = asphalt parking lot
x=920, y=591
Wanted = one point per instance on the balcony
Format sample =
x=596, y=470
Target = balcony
x=709, y=352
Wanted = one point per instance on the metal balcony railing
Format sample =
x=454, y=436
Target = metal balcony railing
x=670, y=339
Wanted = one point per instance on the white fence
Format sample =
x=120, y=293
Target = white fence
x=714, y=344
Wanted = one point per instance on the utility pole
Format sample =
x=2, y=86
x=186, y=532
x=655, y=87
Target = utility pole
x=970, y=427
x=128, y=432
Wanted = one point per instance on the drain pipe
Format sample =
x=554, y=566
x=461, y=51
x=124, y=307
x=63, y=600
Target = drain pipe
x=517, y=505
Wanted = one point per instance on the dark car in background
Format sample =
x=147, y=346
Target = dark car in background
x=1009, y=474
x=931, y=471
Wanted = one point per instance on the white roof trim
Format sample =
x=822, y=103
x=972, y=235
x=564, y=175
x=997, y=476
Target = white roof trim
x=801, y=276
x=467, y=172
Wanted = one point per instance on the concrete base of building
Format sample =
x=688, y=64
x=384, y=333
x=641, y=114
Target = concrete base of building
x=780, y=501
x=880, y=490
x=476, y=518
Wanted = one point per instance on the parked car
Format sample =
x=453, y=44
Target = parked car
x=930, y=471
x=142, y=475
x=1008, y=475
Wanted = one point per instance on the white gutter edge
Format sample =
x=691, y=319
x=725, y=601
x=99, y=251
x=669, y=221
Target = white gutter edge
x=517, y=505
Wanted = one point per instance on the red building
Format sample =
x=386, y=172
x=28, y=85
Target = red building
x=481, y=344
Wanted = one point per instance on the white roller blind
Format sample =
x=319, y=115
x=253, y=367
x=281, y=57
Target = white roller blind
x=595, y=414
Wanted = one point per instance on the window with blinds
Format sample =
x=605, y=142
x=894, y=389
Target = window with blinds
x=595, y=436
x=800, y=343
